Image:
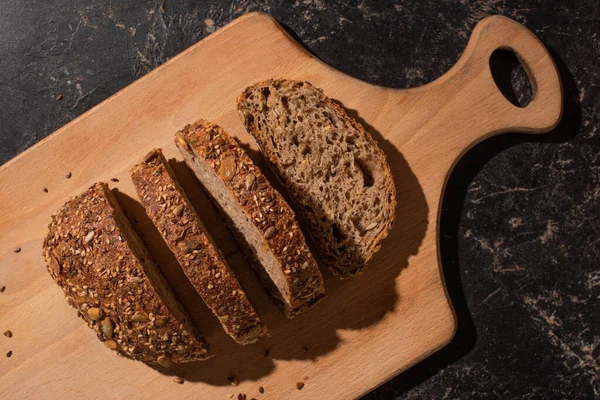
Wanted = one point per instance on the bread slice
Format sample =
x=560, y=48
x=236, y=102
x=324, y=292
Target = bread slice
x=172, y=213
x=106, y=273
x=338, y=178
x=260, y=219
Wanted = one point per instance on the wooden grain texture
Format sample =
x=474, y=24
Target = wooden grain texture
x=367, y=330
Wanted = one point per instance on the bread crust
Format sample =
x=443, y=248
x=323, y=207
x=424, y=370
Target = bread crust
x=264, y=206
x=172, y=213
x=353, y=261
x=94, y=255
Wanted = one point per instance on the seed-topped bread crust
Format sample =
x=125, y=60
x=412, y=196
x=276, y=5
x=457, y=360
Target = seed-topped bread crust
x=275, y=222
x=170, y=210
x=106, y=273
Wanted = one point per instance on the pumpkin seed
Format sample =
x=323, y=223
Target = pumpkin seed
x=140, y=316
x=228, y=168
x=107, y=327
x=188, y=245
x=94, y=313
x=165, y=361
x=177, y=211
x=111, y=344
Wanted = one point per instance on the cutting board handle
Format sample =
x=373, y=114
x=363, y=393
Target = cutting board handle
x=488, y=111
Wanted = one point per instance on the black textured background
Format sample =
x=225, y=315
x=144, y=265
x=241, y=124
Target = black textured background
x=520, y=231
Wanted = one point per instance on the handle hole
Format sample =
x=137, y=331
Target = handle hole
x=511, y=77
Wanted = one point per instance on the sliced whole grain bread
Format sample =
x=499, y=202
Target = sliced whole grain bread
x=106, y=273
x=172, y=213
x=338, y=178
x=258, y=216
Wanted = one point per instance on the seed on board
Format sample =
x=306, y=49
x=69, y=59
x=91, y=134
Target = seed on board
x=9, y=354
x=2, y=289
x=188, y=245
x=242, y=396
x=111, y=344
x=270, y=232
x=305, y=348
x=233, y=380
x=140, y=316
x=94, y=313
x=178, y=380
x=299, y=385
x=69, y=175
x=228, y=168
x=114, y=180
x=250, y=180
x=107, y=327
x=8, y=334
x=45, y=190
x=261, y=390
x=89, y=237
x=165, y=361
x=178, y=210
x=17, y=250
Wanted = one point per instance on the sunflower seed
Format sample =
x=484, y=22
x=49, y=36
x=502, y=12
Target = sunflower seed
x=270, y=232
x=89, y=237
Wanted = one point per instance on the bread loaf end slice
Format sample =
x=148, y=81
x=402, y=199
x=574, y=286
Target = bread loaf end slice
x=258, y=216
x=106, y=273
x=172, y=213
x=337, y=177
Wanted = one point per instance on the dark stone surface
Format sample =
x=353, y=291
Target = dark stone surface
x=520, y=231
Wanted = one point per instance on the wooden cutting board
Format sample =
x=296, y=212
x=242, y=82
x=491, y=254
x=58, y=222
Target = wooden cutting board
x=367, y=330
